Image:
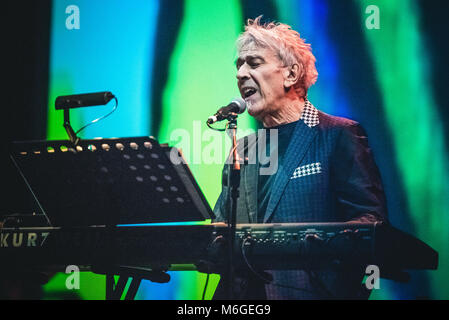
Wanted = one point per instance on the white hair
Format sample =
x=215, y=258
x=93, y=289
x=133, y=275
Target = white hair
x=287, y=44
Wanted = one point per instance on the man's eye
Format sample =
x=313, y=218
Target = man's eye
x=254, y=64
x=251, y=63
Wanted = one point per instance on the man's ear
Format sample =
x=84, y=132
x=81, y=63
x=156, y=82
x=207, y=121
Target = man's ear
x=291, y=75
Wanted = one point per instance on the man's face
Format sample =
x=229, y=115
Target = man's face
x=260, y=76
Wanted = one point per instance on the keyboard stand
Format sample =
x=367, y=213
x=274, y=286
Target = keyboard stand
x=115, y=290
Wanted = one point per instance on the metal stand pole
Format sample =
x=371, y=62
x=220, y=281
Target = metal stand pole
x=234, y=183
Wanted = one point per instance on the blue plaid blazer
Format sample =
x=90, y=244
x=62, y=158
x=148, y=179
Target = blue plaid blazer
x=328, y=175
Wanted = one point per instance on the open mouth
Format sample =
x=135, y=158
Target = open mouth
x=249, y=91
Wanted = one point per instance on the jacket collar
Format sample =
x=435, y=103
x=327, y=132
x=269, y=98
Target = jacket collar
x=309, y=115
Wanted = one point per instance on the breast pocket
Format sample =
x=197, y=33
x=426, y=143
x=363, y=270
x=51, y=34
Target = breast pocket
x=307, y=170
x=306, y=196
x=309, y=183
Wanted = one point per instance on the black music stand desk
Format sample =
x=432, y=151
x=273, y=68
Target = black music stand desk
x=110, y=182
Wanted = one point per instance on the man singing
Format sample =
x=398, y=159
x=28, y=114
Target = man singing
x=325, y=168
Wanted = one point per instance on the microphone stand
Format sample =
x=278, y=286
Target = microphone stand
x=234, y=184
x=68, y=128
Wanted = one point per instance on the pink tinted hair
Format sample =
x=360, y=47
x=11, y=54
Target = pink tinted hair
x=287, y=44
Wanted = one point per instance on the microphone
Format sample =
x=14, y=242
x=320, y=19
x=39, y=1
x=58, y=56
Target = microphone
x=83, y=100
x=238, y=105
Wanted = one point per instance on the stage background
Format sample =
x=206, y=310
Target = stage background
x=171, y=64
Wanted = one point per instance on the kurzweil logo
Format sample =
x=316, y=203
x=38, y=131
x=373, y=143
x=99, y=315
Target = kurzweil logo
x=22, y=239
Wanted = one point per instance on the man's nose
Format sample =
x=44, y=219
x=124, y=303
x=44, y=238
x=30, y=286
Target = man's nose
x=242, y=73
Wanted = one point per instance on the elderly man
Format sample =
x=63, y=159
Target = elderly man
x=325, y=169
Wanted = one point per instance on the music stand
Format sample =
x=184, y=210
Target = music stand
x=110, y=182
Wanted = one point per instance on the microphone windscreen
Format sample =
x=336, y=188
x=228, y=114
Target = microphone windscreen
x=240, y=103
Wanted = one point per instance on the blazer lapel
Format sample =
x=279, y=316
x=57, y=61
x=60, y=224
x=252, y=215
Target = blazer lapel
x=302, y=136
x=250, y=180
